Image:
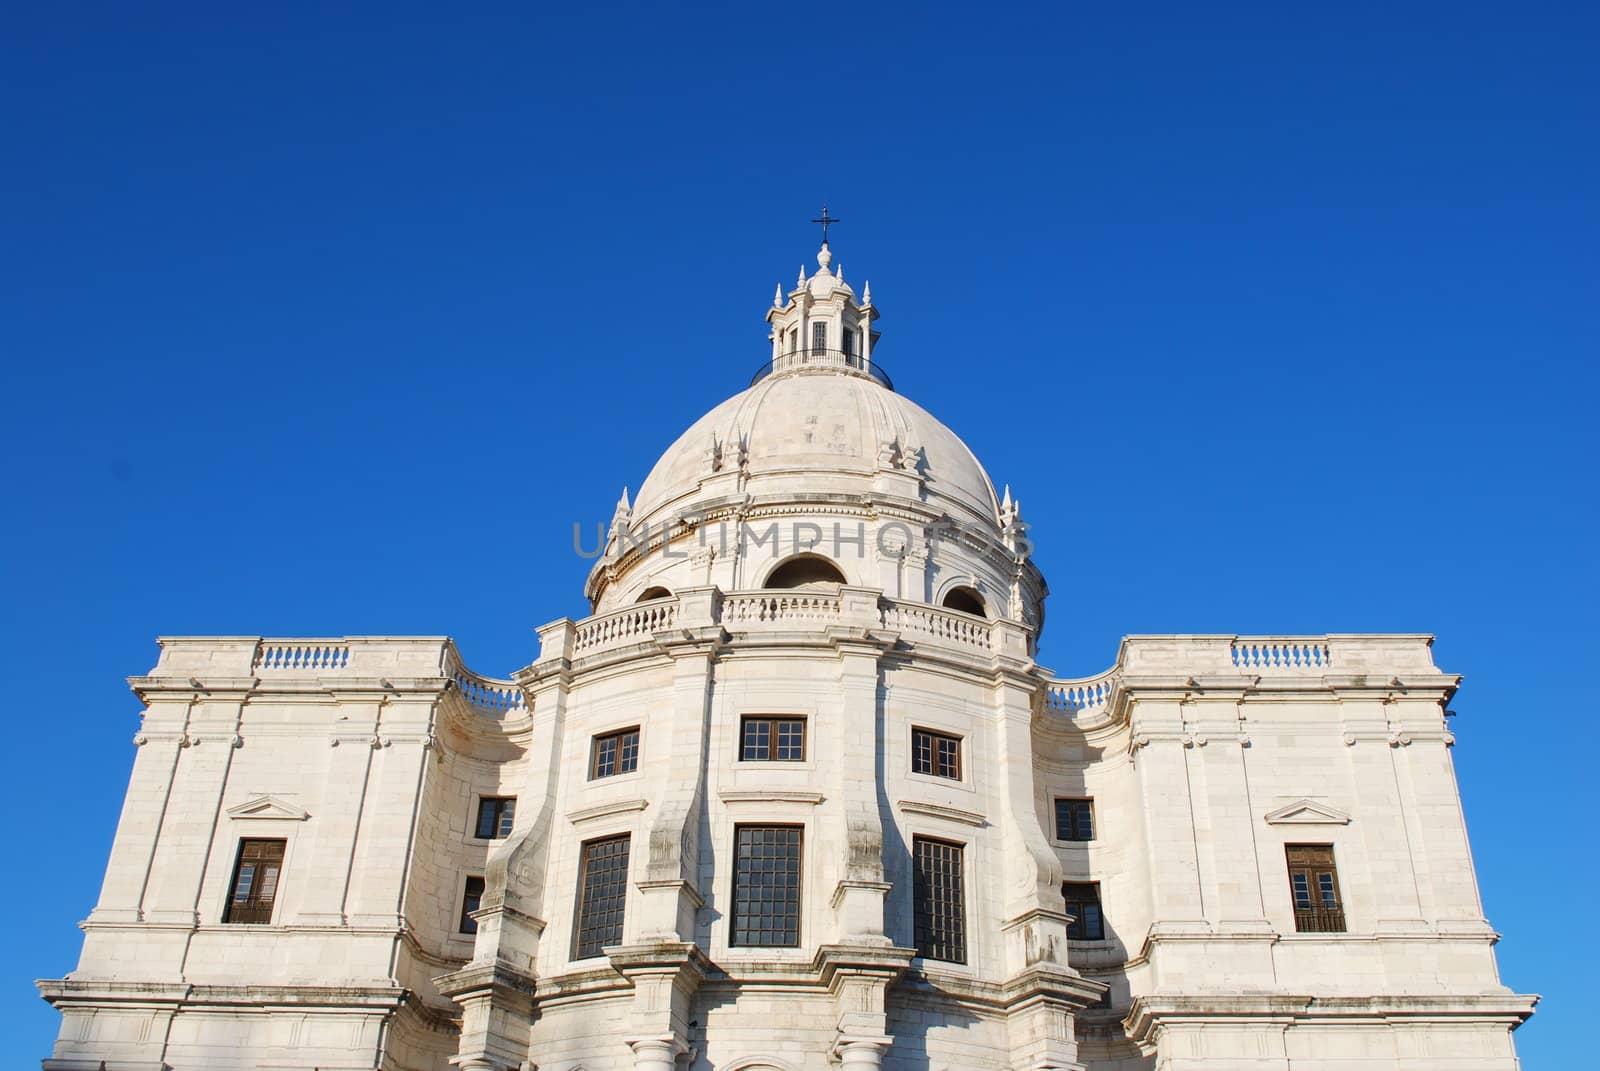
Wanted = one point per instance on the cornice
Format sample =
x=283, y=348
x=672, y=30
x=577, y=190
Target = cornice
x=606, y=810
x=1149, y=1013
x=757, y=796
x=948, y=814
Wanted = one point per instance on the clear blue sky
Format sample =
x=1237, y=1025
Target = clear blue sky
x=1277, y=318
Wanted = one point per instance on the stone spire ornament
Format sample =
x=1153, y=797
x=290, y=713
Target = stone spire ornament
x=866, y=293
x=622, y=516
x=777, y=296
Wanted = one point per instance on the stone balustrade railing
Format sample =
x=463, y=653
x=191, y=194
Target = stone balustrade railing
x=486, y=693
x=1281, y=654
x=772, y=611
x=920, y=621
x=1274, y=660
x=387, y=660
x=322, y=656
x=1082, y=695
x=743, y=609
x=631, y=624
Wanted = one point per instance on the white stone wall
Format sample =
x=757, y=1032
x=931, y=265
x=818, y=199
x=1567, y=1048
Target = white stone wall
x=1201, y=769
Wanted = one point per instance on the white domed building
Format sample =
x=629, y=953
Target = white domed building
x=795, y=796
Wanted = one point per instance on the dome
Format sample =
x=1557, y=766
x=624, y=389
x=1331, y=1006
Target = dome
x=798, y=426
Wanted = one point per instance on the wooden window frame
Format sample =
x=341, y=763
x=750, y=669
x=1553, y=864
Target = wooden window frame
x=1087, y=930
x=935, y=761
x=1319, y=914
x=773, y=721
x=619, y=736
x=1074, y=827
x=736, y=919
x=503, y=811
x=466, y=925
x=939, y=923
x=254, y=909
x=615, y=905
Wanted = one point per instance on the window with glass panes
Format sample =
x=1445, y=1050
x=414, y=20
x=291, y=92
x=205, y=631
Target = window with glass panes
x=602, y=895
x=819, y=335
x=939, y=894
x=766, y=886
x=772, y=740
x=471, y=900
x=1314, y=887
x=255, y=881
x=1083, y=904
x=615, y=753
x=938, y=754
x=1074, y=819
x=495, y=815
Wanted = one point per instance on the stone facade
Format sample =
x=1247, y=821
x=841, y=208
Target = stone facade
x=894, y=613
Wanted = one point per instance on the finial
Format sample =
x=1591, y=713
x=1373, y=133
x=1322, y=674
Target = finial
x=866, y=293
x=839, y=271
x=623, y=503
x=777, y=296
x=1005, y=500
x=824, y=257
x=802, y=281
x=825, y=220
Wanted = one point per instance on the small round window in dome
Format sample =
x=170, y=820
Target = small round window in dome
x=653, y=593
x=966, y=600
x=806, y=571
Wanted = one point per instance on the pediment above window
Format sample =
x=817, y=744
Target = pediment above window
x=1306, y=812
x=267, y=807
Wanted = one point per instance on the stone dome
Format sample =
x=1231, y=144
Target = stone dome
x=806, y=433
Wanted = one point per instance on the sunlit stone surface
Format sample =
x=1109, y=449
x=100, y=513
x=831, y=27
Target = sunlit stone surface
x=815, y=550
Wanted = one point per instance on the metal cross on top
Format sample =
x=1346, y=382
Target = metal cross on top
x=824, y=219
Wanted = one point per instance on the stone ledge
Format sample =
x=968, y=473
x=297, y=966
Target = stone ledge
x=1150, y=1012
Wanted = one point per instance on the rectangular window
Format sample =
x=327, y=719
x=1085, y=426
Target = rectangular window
x=255, y=881
x=935, y=753
x=819, y=336
x=939, y=892
x=1314, y=885
x=1083, y=904
x=471, y=900
x=1074, y=819
x=772, y=740
x=766, y=886
x=495, y=814
x=602, y=895
x=615, y=753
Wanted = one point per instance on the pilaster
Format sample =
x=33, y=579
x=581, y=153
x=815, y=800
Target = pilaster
x=1036, y=925
x=388, y=826
x=184, y=848
x=668, y=899
x=858, y=978
x=352, y=741
x=1394, y=886
x=859, y=890
x=160, y=741
x=664, y=976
